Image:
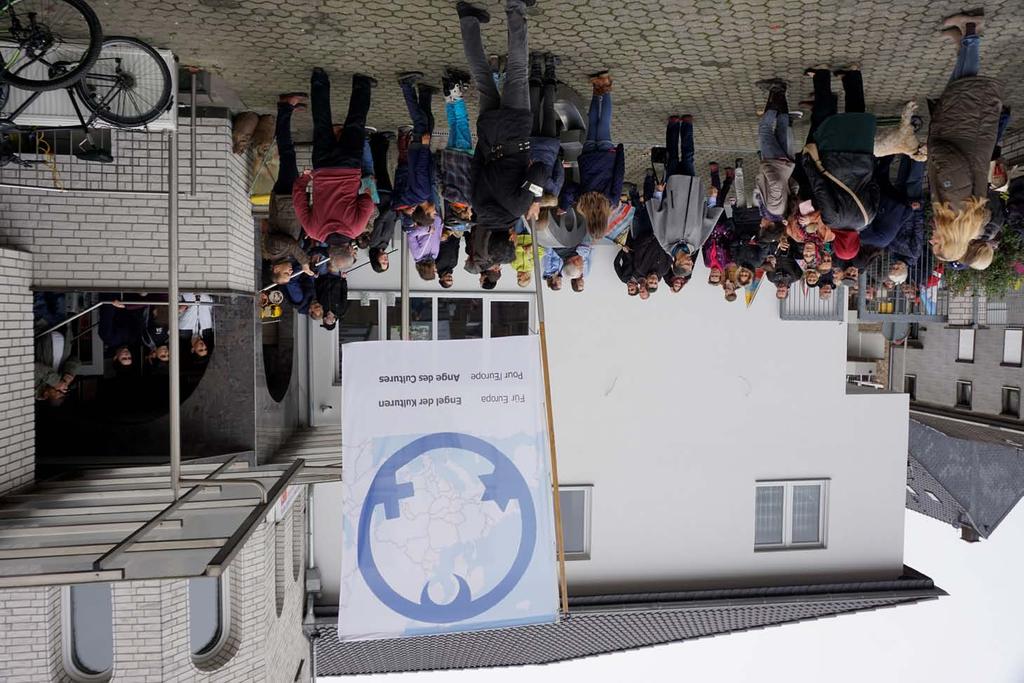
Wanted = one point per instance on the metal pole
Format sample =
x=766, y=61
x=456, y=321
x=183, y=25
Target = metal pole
x=405, y=287
x=192, y=131
x=76, y=316
x=559, y=538
x=172, y=319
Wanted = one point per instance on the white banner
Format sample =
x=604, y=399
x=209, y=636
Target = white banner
x=448, y=522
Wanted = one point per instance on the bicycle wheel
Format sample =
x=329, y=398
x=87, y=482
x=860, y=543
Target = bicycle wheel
x=47, y=44
x=129, y=85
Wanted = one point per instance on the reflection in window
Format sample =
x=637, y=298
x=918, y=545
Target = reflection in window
x=89, y=631
x=510, y=318
x=208, y=611
x=421, y=317
x=361, y=322
x=460, y=318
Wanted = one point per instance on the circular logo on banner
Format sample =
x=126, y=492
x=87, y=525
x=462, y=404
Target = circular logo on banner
x=502, y=485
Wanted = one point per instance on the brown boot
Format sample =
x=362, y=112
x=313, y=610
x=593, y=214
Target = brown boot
x=263, y=136
x=960, y=21
x=601, y=82
x=242, y=129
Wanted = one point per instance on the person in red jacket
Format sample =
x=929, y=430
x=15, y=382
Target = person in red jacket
x=339, y=206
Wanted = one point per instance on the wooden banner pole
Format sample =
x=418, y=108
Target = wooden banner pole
x=559, y=537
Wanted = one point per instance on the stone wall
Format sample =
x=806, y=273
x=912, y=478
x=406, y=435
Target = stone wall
x=17, y=437
x=94, y=241
x=151, y=621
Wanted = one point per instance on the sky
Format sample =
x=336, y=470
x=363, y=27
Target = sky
x=973, y=634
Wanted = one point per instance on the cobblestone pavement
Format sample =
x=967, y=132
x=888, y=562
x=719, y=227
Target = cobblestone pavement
x=685, y=56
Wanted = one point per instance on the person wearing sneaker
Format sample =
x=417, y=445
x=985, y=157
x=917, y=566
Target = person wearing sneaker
x=455, y=161
x=379, y=238
x=602, y=165
x=418, y=201
x=961, y=136
x=340, y=203
x=680, y=217
x=505, y=185
x=838, y=161
x=545, y=145
x=774, y=184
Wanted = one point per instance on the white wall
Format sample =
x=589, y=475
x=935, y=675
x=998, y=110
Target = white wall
x=673, y=408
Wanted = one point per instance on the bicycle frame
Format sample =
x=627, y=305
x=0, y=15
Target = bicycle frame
x=8, y=123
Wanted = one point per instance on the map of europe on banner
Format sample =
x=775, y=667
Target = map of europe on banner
x=447, y=512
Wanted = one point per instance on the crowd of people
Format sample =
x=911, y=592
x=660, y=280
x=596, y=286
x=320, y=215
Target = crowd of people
x=815, y=216
x=134, y=332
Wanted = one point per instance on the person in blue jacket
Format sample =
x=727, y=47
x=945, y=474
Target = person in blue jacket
x=417, y=200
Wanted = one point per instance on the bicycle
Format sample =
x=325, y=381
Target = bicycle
x=128, y=85
x=38, y=35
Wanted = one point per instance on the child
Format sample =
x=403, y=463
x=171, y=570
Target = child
x=523, y=262
x=417, y=201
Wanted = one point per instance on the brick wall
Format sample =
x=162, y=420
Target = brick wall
x=961, y=309
x=17, y=437
x=87, y=241
x=151, y=629
x=1013, y=146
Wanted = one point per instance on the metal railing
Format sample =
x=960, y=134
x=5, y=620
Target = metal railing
x=1005, y=310
x=913, y=301
x=92, y=308
x=809, y=305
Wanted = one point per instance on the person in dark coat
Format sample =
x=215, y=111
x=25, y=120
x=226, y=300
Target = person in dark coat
x=642, y=261
x=486, y=252
x=898, y=202
x=505, y=185
x=545, y=145
x=838, y=162
x=121, y=328
x=448, y=258
x=332, y=294
x=417, y=199
x=962, y=134
x=378, y=240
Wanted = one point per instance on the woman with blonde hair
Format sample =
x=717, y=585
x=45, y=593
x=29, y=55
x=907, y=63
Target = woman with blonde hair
x=602, y=165
x=961, y=136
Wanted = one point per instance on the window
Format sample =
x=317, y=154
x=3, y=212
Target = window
x=963, y=394
x=460, y=318
x=1013, y=344
x=88, y=631
x=931, y=496
x=965, y=347
x=421, y=318
x=361, y=321
x=910, y=386
x=575, y=508
x=790, y=514
x=510, y=318
x=209, y=610
x=1011, y=402
x=911, y=491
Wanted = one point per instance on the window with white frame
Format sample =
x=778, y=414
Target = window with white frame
x=448, y=315
x=790, y=514
x=575, y=502
x=87, y=619
x=965, y=347
x=209, y=614
x=1013, y=347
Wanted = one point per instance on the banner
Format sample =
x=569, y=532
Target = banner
x=448, y=522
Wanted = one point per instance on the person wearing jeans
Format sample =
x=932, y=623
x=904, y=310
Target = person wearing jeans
x=962, y=134
x=505, y=185
x=602, y=164
x=544, y=142
x=456, y=159
x=679, y=146
x=341, y=205
x=417, y=201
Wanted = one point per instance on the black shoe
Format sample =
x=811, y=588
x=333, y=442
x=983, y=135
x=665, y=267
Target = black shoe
x=458, y=77
x=318, y=74
x=370, y=79
x=770, y=84
x=465, y=9
x=410, y=77
x=536, y=66
x=550, y=62
x=529, y=3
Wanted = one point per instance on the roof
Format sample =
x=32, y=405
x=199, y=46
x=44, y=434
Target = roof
x=613, y=623
x=974, y=472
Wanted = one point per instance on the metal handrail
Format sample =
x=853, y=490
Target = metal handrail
x=92, y=308
x=219, y=482
x=145, y=528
